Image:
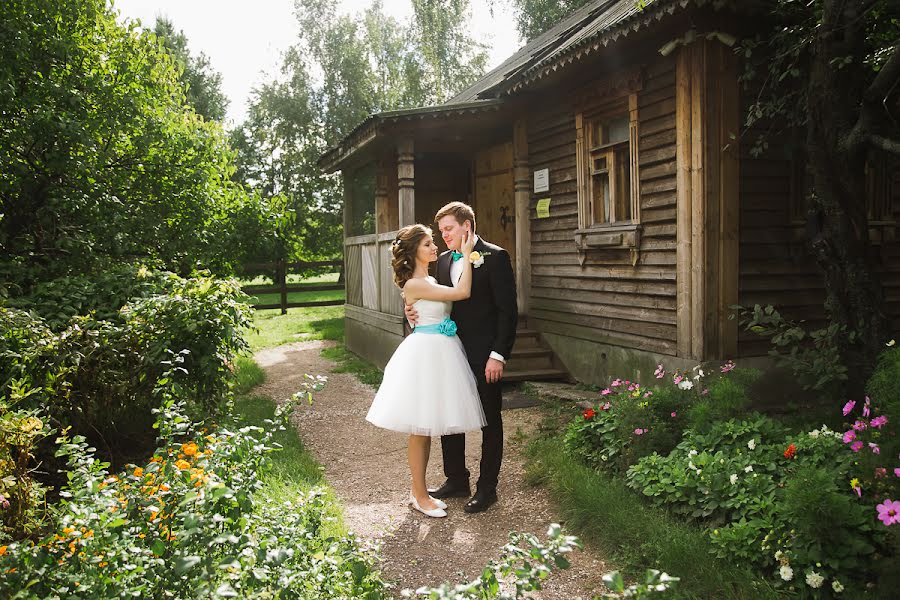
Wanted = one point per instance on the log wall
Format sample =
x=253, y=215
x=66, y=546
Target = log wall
x=607, y=298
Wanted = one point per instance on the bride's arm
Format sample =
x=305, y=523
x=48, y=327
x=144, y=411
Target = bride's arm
x=426, y=289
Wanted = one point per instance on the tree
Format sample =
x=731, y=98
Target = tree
x=202, y=84
x=100, y=158
x=342, y=69
x=831, y=69
x=534, y=17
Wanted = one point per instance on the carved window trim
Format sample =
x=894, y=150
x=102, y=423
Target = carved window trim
x=591, y=153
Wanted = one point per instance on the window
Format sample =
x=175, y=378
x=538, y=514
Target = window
x=608, y=198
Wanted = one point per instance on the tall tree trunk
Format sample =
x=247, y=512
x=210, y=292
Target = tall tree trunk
x=854, y=296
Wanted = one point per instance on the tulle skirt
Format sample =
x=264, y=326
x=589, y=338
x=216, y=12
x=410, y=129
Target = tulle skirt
x=428, y=389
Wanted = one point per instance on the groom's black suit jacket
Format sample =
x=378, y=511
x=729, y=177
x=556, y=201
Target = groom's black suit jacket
x=485, y=322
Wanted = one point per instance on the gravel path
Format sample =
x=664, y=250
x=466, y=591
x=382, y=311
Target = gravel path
x=366, y=467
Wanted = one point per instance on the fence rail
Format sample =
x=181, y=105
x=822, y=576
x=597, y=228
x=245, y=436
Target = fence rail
x=281, y=286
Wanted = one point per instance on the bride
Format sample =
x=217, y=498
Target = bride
x=428, y=387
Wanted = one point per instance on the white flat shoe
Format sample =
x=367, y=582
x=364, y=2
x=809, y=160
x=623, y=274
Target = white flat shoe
x=439, y=503
x=435, y=512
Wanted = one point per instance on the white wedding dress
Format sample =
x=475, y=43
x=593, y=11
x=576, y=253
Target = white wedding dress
x=428, y=386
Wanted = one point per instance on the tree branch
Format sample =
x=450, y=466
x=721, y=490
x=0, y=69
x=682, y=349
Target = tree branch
x=874, y=107
x=885, y=80
x=883, y=143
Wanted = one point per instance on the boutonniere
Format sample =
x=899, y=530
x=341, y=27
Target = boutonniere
x=477, y=258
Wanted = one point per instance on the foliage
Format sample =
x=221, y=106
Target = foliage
x=188, y=523
x=21, y=497
x=202, y=84
x=98, y=375
x=654, y=581
x=777, y=501
x=534, y=17
x=630, y=421
x=812, y=356
x=524, y=559
x=342, y=69
x=100, y=159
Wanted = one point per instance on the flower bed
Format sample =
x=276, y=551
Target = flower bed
x=812, y=509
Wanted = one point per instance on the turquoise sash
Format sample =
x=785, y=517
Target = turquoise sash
x=446, y=327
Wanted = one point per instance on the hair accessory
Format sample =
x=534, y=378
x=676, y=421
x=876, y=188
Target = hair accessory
x=396, y=242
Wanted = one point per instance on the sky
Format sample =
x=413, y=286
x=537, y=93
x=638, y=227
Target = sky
x=244, y=39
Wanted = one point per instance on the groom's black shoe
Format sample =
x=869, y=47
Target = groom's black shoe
x=480, y=502
x=450, y=489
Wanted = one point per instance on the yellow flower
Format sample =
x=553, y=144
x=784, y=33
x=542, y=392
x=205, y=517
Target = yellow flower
x=68, y=530
x=156, y=459
x=138, y=472
x=190, y=448
x=854, y=483
x=103, y=564
x=182, y=464
x=475, y=256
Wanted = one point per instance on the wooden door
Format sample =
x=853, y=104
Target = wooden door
x=494, y=202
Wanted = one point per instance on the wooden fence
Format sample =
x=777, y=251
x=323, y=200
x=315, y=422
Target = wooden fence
x=281, y=269
x=370, y=279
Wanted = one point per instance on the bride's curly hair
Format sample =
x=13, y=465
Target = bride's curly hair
x=403, y=251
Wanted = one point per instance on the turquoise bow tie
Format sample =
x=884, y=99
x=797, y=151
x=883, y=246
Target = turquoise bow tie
x=456, y=255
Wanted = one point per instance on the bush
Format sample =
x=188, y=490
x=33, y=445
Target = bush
x=187, y=523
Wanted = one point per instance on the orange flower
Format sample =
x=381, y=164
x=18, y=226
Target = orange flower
x=190, y=448
x=156, y=459
x=198, y=483
x=89, y=533
x=103, y=564
x=2, y=550
x=153, y=515
x=183, y=464
x=164, y=487
x=139, y=472
x=13, y=570
x=791, y=451
x=68, y=530
x=142, y=535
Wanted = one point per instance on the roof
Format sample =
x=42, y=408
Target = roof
x=586, y=30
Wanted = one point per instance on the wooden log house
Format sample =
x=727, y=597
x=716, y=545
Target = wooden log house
x=630, y=122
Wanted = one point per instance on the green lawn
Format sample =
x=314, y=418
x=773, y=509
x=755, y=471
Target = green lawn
x=293, y=279
x=274, y=329
x=275, y=297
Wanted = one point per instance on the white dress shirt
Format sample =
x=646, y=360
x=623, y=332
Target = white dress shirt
x=456, y=269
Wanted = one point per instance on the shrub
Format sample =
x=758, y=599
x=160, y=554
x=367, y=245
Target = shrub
x=187, y=523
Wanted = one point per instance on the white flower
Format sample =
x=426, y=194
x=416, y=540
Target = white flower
x=814, y=433
x=787, y=573
x=692, y=453
x=837, y=587
x=752, y=444
x=686, y=384
x=748, y=468
x=779, y=555
x=699, y=374
x=814, y=580
x=691, y=465
x=733, y=478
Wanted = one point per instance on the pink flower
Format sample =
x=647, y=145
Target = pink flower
x=674, y=414
x=727, y=366
x=616, y=383
x=677, y=379
x=606, y=392
x=659, y=372
x=849, y=406
x=704, y=392
x=880, y=472
x=897, y=472
x=866, y=407
x=860, y=425
x=640, y=431
x=858, y=491
x=889, y=511
x=648, y=394
x=874, y=448
x=856, y=446
x=878, y=421
x=631, y=388
x=606, y=406
x=849, y=436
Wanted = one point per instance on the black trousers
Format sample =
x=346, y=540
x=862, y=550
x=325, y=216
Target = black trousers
x=453, y=447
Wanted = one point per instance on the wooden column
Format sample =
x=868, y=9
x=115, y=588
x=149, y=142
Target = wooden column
x=522, y=187
x=348, y=206
x=406, y=177
x=707, y=122
x=382, y=200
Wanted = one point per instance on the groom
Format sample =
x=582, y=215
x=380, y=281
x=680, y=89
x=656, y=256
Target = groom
x=486, y=325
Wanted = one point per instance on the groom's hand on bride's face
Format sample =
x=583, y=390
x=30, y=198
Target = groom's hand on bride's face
x=412, y=315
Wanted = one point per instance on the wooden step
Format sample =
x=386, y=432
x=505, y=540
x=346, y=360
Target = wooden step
x=534, y=375
x=527, y=338
x=526, y=359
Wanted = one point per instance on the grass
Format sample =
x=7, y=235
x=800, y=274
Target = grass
x=292, y=470
x=603, y=511
x=351, y=363
x=275, y=297
x=293, y=279
x=274, y=329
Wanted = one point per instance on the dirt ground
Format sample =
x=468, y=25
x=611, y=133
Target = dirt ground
x=366, y=467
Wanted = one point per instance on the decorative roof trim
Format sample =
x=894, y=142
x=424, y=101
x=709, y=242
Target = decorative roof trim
x=369, y=129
